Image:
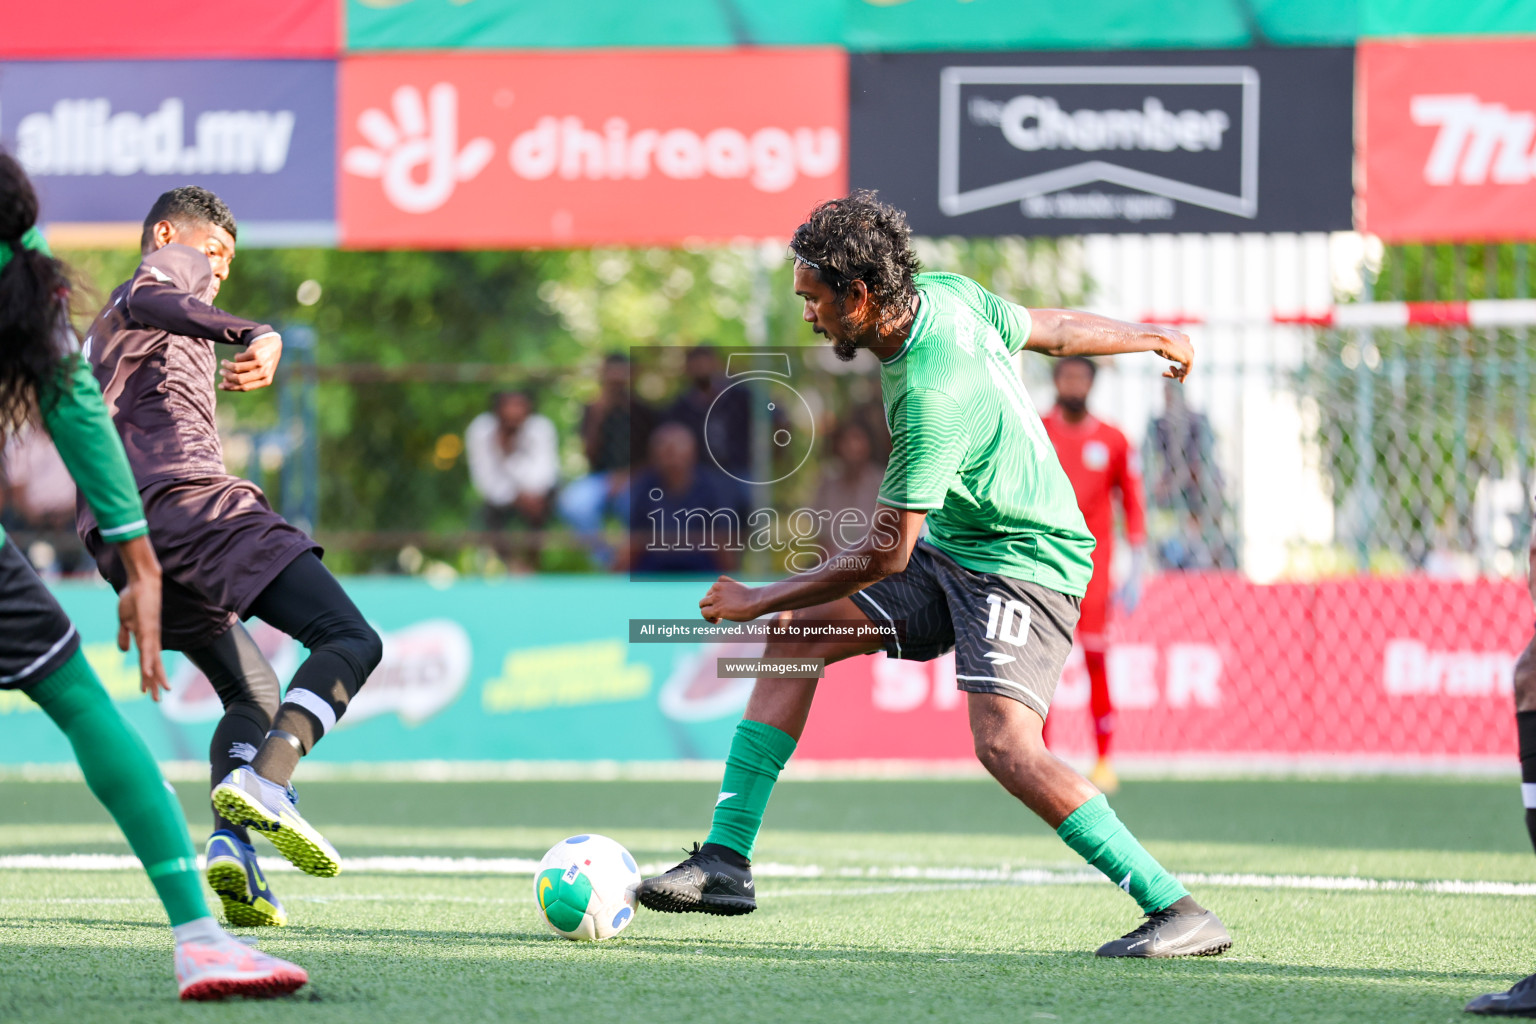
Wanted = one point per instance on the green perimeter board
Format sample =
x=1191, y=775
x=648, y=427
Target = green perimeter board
x=902, y=25
x=550, y=676
x=857, y=24
x=1438, y=18
x=593, y=24
x=876, y=25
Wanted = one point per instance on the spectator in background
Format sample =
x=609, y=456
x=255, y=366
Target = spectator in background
x=1189, y=482
x=40, y=496
x=685, y=514
x=721, y=429
x=851, y=481
x=514, y=461
x=871, y=416
x=615, y=432
x=1099, y=462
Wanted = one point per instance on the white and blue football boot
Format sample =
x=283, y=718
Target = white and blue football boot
x=246, y=798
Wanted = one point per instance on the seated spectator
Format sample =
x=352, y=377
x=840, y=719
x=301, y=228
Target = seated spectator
x=514, y=462
x=615, y=431
x=686, y=516
x=851, y=481
x=721, y=426
x=40, y=498
x=41, y=493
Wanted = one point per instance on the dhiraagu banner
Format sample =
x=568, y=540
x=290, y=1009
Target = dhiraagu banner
x=539, y=669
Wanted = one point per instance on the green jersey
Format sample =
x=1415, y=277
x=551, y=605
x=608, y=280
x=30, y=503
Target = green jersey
x=76, y=418
x=968, y=446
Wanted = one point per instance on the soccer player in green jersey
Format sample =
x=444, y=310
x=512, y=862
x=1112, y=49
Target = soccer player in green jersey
x=977, y=547
x=42, y=373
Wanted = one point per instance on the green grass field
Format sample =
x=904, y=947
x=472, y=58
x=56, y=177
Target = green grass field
x=868, y=911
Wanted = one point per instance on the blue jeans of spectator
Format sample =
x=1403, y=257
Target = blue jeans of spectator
x=586, y=501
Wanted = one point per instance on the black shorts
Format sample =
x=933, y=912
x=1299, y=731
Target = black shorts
x=37, y=638
x=219, y=545
x=1010, y=637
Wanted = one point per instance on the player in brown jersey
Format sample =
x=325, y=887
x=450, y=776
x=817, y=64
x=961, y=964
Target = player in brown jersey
x=226, y=554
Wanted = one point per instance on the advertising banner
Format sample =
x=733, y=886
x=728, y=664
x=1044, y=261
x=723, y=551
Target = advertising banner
x=1448, y=139
x=539, y=669
x=1212, y=666
x=1104, y=24
x=643, y=148
x=856, y=24
x=1071, y=143
x=102, y=139
x=592, y=24
x=1409, y=670
x=168, y=28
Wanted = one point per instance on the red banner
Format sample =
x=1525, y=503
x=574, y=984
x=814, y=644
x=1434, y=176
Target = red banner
x=171, y=29
x=576, y=149
x=1448, y=130
x=1215, y=666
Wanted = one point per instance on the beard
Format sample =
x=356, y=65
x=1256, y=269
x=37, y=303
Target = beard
x=845, y=348
x=1075, y=406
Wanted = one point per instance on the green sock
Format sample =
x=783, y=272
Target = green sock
x=1098, y=836
x=758, y=753
x=120, y=771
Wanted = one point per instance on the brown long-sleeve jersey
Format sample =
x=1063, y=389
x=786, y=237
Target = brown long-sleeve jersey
x=152, y=352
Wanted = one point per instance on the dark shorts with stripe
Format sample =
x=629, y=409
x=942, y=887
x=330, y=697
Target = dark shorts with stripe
x=219, y=544
x=1010, y=637
x=36, y=637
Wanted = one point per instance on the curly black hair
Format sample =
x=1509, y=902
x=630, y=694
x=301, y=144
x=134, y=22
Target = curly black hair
x=34, y=290
x=186, y=206
x=859, y=238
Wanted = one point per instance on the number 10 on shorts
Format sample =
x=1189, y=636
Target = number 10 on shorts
x=1007, y=619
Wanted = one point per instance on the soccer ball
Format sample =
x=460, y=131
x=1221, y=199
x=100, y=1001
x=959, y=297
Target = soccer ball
x=585, y=888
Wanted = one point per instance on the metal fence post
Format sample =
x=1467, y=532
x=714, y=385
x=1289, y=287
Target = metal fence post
x=298, y=423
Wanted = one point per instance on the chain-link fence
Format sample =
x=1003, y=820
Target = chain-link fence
x=1293, y=453
x=1298, y=453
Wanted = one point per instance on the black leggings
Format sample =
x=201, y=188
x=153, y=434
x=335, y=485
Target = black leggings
x=307, y=603
x=249, y=690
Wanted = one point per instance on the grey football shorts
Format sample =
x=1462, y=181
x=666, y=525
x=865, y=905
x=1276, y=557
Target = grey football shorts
x=1010, y=637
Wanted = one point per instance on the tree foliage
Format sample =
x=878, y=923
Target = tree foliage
x=389, y=326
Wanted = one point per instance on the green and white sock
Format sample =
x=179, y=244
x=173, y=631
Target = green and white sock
x=758, y=753
x=120, y=771
x=1097, y=835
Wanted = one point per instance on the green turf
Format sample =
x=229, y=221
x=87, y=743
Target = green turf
x=82, y=947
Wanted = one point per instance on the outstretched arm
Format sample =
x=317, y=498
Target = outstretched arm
x=1068, y=332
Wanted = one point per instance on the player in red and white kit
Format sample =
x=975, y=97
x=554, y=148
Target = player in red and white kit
x=1099, y=462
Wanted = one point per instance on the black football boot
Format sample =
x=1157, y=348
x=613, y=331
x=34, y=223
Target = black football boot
x=1519, y=1001
x=1182, y=929
x=713, y=880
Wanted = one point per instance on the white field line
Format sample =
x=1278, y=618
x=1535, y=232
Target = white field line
x=973, y=876
x=881, y=890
